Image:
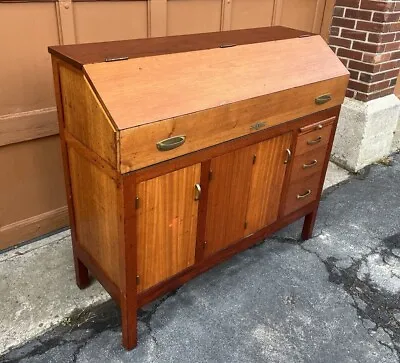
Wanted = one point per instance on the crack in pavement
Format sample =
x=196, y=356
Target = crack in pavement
x=378, y=307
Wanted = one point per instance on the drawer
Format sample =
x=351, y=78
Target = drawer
x=301, y=193
x=139, y=145
x=309, y=163
x=314, y=136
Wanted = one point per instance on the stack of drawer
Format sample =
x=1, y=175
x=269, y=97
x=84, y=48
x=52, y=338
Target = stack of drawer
x=307, y=166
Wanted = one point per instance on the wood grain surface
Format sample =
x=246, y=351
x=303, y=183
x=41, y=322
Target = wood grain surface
x=144, y=90
x=80, y=54
x=85, y=118
x=166, y=225
x=266, y=182
x=210, y=127
x=228, y=194
x=95, y=202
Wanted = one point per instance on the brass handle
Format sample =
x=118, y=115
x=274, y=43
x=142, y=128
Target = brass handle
x=171, y=143
x=197, y=191
x=288, y=156
x=315, y=141
x=306, y=194
x=320, y=100
x=310, y=165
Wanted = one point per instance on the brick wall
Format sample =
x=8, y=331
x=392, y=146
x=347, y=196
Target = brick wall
x=365, y=35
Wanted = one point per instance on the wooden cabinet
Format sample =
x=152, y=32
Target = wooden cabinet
x=180, y=152
x=167, y=209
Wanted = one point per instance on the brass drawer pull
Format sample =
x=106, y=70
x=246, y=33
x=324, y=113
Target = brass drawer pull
x=310, y=165
x=288, y=156
x=197, y=191
x=320, y=100
x=306, y=194
x=171, y=143
x=315, y=141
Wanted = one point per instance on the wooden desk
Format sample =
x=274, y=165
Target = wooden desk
x=180, y=152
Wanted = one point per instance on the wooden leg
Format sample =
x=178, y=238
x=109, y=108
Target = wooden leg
x=81, y=274
x=308, y=225
x=129, y=323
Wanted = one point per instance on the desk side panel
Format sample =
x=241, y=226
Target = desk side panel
x=95, y=201
x=84, y=117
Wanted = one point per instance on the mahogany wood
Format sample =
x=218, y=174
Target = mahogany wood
x=219, y=124
x=309, y=141
x=228, y=194
x=166, y=225
x=266, y=182
x=139, y=222
x=79, y=54
x=174, y=282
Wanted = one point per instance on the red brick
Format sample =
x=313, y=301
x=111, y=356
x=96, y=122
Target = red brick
x=379, y=86
x=394, y=27
x=395, y=55
x=376, y=58
x=354, y=74
x=368, y=47
x=392, y=73
x=353, y=34
x=348, y=3
x=397, y=6
x=351, y=54
x=365, y=67
x=358, y=86
x=398, y=36
x=344, y=61
x=371, y=27
x=386, y=17
x=350, y=93
x=392, y=46
x=376, y=5
x=340, y=42
x=382, y=93
x=381, y=38
x=389, y=65
x=344, y=23
x=338, y=11
x=334, y=31
x=358, y=14
x=371, y=78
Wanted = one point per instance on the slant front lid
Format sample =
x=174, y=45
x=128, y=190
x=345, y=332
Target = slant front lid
x=144, y=90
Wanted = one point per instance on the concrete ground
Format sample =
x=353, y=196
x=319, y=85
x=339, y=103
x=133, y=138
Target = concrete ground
x=334, y=298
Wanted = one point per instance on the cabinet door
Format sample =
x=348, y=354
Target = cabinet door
x=266, y=182
x=166, y=225
x=228, y=193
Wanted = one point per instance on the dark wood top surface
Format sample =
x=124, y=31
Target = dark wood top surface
x=81, y=54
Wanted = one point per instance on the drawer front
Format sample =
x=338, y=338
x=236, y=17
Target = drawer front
x=140, y=146
x=309, y=163
x=313, y=140
x=302, y=193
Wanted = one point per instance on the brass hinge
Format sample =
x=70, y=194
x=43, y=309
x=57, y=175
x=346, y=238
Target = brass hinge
x=115, y=59
x=137, y=202
x=254, y=158
x=210, y=175
x=137, y=280
x=245, y=225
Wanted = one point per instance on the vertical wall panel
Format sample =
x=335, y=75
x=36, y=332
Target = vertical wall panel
x=193, y=16
x=251, y=13
x=31, y=179
x=100, y=21
x=25, y=69
x=301, y=14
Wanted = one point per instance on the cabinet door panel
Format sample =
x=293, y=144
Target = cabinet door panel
x=266, y=182
x=227, y=199
x=166, y=222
